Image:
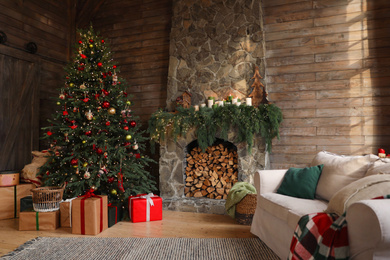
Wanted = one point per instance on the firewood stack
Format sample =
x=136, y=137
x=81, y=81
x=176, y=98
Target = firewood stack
x=210, y=174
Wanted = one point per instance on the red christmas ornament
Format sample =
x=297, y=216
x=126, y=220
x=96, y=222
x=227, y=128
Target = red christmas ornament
x=49, y=133
x=106, y=104
x=97, y=96
x=80, y=42
x=74, y=161
x=137, y=155
x=102, y=41
x=126, y=144
x=65, y=113
x=126, y=128
x=86, y=100
x=99, y=151
x=105, y=92
x=73, y=126
x=88, y=133
x=80, y=68
x=110, y=179
x=114, y=67
x=100, y=64
x=107, y=123
x=90, y=40
x=109, y=73
x=133, y=123
x=83, y=56
x=124, y=93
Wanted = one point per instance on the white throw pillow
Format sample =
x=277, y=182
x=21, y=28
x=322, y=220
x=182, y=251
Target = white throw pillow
x=380, y=166
x=339, y=171
x=365, y=188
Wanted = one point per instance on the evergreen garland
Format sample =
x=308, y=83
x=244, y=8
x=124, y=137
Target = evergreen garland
x=248, y=120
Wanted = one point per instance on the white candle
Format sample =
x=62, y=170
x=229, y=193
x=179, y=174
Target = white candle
x=238, y=104
x=248, y=101
x=196, y=108
x=202, y=105
x=210, y=103
x=234, y=101
x=220, y=103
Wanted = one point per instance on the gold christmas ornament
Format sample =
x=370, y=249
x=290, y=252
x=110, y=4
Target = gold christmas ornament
x=85, y=164
x=128, y=102
x=111, y=111
x=71, y=85
x=128, y=137
x=114, y=192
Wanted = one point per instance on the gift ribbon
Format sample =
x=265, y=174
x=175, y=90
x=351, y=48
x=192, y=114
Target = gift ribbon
x=90, y=194
x=116, y=211
x=15, y=202
x=149, y=202
x=37, y=220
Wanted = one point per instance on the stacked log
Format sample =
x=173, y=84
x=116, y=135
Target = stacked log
x=211, y=173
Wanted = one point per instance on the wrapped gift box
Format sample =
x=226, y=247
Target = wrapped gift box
x=115, y=214
x=39, y=220
x=145, y=207
x=26, y=204
x=10, y=199
x=9, y=178
x=66, y=213
x=89, y=215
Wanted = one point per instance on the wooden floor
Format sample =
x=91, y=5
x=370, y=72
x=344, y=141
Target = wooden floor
x=174, y=224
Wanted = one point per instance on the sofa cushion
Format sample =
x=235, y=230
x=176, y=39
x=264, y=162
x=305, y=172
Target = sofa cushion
x=366, y=188
x=339, y=171
x=290, y=209
x=380, y=166
x=301, y=182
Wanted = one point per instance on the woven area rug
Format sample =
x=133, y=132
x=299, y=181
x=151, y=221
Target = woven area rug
x=142, y=248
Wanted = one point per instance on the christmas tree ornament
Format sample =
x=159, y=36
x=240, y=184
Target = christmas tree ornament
x=126, y=128
x=90, y=46
x=110, y=179
x=100, y=64
x=99, y=151
x=49, y=133
x=90, y=40
x=87, y=175
x=89, y=115
x=65, y=113
x=133, y=123
x=114, y=192
x=114, y=79
x=84, y=141
x=128, y=137
x=74, y=161
x=71, y=84
x=107, y=123
x=58, y=103
x=106, y=104
x=135, y=146
x=105, y=92
x=85, y=164
x=82, y=86
x=86, y=100
x=128, y=103
x=88, y=133
x=111, y=111
x=83, y=56
x=62, y=96
x=77, y=171
x=93, y=187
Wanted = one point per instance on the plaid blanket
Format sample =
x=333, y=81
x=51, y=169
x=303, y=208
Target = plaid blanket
x=321, y=236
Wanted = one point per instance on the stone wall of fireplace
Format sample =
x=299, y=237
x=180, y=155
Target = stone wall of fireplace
x=214, y=48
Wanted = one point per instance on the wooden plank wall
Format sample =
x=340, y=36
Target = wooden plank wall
x=328, y=64
x=138, y=32
x=47, y=23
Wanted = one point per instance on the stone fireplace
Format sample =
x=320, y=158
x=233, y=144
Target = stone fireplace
x=215, y=46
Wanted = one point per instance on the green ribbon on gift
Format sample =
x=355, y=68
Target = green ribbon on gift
x=15, y=202
x=37, y=220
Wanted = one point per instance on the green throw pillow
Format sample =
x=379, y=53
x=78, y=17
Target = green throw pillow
x=301, y=182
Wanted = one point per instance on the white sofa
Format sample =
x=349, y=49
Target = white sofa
x=277, y=215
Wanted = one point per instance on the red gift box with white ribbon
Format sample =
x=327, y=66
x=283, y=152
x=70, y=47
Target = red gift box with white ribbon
x=145, y=207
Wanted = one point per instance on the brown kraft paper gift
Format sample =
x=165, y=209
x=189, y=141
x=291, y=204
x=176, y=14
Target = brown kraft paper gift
x=46, y=220
x=90, y=218
x=11, y=195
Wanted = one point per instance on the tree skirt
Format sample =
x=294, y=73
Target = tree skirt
x=142, y=248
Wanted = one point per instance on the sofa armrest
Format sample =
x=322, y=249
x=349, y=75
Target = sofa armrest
x=268, y=180
x=369, y=229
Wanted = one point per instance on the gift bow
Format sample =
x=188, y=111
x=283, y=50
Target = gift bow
x=148, y=198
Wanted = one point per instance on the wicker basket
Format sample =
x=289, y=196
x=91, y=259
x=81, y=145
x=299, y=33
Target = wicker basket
x=245, y=209
x=47, y=198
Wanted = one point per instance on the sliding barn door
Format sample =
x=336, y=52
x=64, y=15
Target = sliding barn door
x=19, y=105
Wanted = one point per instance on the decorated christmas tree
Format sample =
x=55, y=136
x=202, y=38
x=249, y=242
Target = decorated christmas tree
x=95, y=139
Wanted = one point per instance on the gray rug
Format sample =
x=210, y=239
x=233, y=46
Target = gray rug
x=142, y=248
